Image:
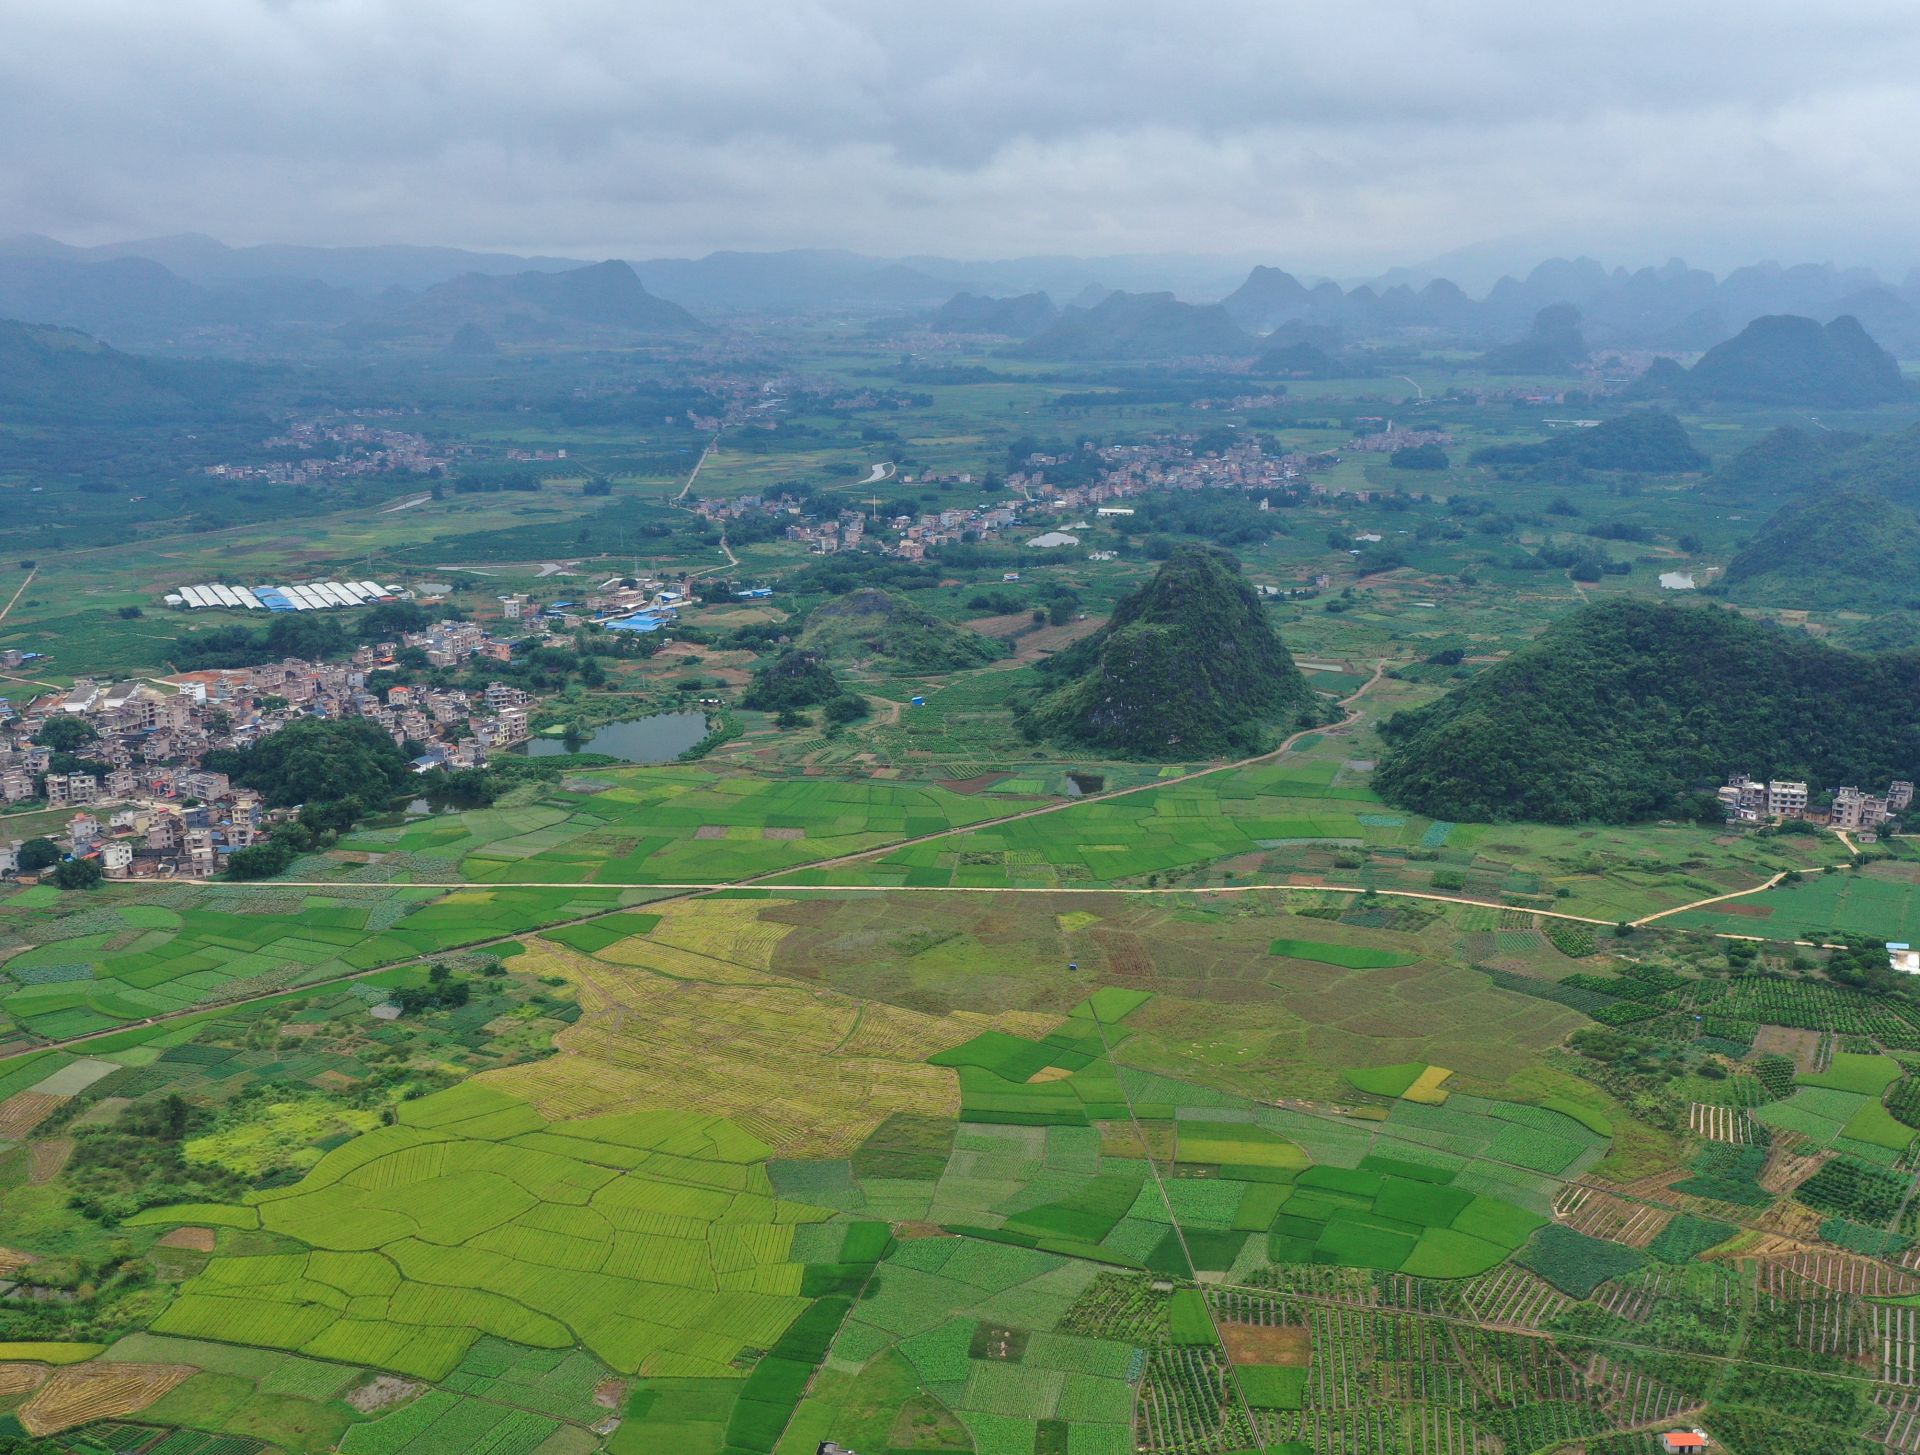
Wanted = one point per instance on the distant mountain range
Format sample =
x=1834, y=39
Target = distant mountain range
x=192, y=291
x=61, y=376
x=1139, y=326
x=604, y=301
x=1672, y=307
x=1020, y=317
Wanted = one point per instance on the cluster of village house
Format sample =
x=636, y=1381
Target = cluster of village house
x=157, y=812
x=1169, y=464
x=336, y=448
x=1752, y=800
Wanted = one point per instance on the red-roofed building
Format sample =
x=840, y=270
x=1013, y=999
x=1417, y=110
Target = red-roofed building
x=1688, y=1440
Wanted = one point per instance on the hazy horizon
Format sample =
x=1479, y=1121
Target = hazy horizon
x=1720, y=135
x=1474, y=268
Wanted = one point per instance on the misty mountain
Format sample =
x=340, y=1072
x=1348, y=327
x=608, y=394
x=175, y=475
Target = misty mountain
x=192, y=291
x=1302, y=360
x=138, y=301
x=1554, y=345
x=604, y=300
x=212, y=264
x=1020, y=317
x=1269, y=298
x=799, y=281
x=1669, y=307
x=1138, y=326
x=1788, y=359
x=62, y=376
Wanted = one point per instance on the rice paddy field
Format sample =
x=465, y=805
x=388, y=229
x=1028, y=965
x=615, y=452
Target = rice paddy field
x=912, y=1171
x=1305, y=818
x=680, y=825
x=161, y=951
x=966, y=1158
x=1002, y=1098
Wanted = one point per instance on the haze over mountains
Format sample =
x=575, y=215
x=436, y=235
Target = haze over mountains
x=190, y=290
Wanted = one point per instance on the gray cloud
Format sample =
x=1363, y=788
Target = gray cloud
x=1326, y=135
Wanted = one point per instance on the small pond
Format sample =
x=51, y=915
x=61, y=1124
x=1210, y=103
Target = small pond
x=1079, y=785
x=657, y=739
x=1676, y=580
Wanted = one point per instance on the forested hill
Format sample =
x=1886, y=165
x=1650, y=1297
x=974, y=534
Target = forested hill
x=1787, y=359
x=1790, y=459
x=1629, y=710
x=59, y=375
x=891, y=631
x=1188, y=667
x=1783, y=460
x=1832, y=548
x=1644, y=442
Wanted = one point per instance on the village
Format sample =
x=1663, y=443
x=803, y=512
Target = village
x=340, y=448
x=1169, y=463
x=1748, y=800
x=126, y=756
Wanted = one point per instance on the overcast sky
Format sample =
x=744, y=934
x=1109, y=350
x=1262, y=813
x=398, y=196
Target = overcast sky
x=1331, y=136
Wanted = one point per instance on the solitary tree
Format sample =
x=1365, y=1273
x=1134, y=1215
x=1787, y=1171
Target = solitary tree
x=79, y=874
x=38, y=854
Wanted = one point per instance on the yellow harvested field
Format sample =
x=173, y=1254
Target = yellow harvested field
x=12, y=1260
x=1426, y=1087
x=19, y=1378
x=23, y=1111
x=84, y=1392
x=46, y=1160
x=797, y=1066
x=723, y=929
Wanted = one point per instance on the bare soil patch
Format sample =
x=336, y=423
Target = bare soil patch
x=199, y=1240
x=46, y=1160
x=23, y=1111
x=1287, y=1345
x=1800, y=1046
x=907, y=1232
x=381, y=1392
x=979, y=783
